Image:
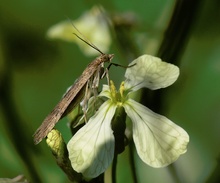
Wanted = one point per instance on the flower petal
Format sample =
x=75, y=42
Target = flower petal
x=62, y=30
x=150, y=72
x=105, y=91
x=93, y=24
x=159, y=141
x=91, y=149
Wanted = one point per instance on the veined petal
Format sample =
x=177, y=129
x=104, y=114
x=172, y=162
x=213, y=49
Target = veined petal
x=91, y=149
x=159, y=142
x=150, y=72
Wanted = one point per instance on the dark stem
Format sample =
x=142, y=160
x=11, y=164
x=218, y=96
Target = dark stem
x=178, y=32
x=114, y=169
x=171, y=50
x=15, y=126
x=132, y=163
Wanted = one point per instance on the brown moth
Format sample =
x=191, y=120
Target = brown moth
x=74, y=95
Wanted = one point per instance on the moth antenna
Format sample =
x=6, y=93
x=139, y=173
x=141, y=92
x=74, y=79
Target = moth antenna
x=88, y=43
x=84, y=39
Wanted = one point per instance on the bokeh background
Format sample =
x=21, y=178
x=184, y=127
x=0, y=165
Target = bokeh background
x=35, y=72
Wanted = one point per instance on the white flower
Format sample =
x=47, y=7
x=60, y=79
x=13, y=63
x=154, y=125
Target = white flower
x=159, y=142
x=92, y=24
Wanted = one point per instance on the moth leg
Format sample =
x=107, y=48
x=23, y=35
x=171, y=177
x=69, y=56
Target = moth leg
x=106, y=73
x=96, y=79
x=84, y=102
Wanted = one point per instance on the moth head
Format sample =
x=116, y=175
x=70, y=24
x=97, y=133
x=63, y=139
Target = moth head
x=110, y=57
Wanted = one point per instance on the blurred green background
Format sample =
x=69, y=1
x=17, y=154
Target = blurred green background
x=35, y=72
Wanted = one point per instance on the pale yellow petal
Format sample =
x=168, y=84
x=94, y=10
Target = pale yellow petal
x=93, y=26
x=159, y=141
x=150, y=72
x=91, y=149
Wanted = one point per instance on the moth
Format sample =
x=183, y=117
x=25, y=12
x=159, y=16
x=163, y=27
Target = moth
x=75, y=93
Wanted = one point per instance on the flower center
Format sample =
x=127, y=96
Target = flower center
x=117, y=96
